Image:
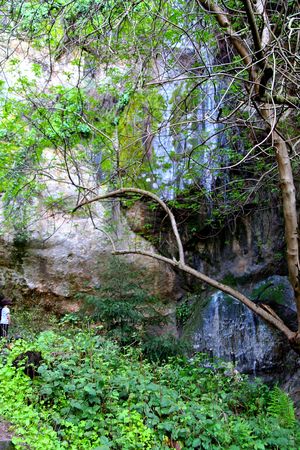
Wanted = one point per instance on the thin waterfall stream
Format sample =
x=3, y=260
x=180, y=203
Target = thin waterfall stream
x=191, y=143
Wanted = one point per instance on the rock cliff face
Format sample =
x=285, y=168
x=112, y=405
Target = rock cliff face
x=60, y=254
x=226, y=329
x=249, y=255
x=54, y=267
x=246, y=250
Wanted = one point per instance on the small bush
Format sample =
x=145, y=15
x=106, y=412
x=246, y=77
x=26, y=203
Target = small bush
x=160, y=348
x=128, y=312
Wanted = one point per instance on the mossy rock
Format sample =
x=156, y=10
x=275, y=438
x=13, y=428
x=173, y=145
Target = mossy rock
x=270, y=291
x=6, y=445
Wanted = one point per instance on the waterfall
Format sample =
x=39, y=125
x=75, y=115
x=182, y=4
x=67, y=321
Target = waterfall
x=206, y=117
x=194, y=148
x=226, y=329
x=168, y=171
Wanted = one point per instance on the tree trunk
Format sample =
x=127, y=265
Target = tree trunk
x=268, y=112
x=288, y=203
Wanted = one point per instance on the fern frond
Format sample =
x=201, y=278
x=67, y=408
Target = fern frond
x=281, y=406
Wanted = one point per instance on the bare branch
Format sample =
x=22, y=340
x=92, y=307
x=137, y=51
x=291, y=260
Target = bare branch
x=268, y=315
x=254, y=31
x=123, y=191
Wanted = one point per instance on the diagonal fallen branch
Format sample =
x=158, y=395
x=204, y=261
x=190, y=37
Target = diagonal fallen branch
x=266, y=314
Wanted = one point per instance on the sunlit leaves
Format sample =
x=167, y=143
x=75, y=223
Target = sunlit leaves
x=105, y=107
x=91, y=394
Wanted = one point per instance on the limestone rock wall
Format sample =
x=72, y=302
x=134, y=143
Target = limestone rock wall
x=58, y=264
x=59, y=254
x=53, y=269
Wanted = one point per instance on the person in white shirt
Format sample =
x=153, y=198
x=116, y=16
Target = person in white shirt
x=5, y=318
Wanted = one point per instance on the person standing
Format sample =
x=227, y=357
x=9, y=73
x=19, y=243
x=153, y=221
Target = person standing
x=5, y=318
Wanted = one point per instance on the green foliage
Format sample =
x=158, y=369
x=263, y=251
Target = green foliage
x=123, y=303
x=128, y=313
x=160, y=348
x=269, y=291
x=230, y=280
x=55, y=120
x=16, y=401
x=281, y=407
x=91, y=394
x=30, y=320
x=184, y=310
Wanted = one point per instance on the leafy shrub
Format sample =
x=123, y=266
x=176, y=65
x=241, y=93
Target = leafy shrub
x=281, y=407
x=91, y=394
x=129, y=313
x=123, y=303
x=160, y=348
x=31, y=320
x=184, y=310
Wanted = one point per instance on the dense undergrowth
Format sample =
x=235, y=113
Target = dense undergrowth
x=92, y=394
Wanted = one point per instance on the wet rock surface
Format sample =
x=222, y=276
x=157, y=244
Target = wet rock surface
x=225, y=328
x=6, y=445
x=292, y=386
x=5, y=436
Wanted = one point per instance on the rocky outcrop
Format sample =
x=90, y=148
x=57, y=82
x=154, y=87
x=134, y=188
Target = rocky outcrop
x=55, y=266
x=224, y=328
x=6, y=436
x=245, y=254
x=248, y=250
x=244, y=250
x=59, y=254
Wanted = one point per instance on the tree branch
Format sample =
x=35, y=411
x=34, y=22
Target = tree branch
x=123, y=191
x=268, y=315
x=289, y=100
x=254, y=32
